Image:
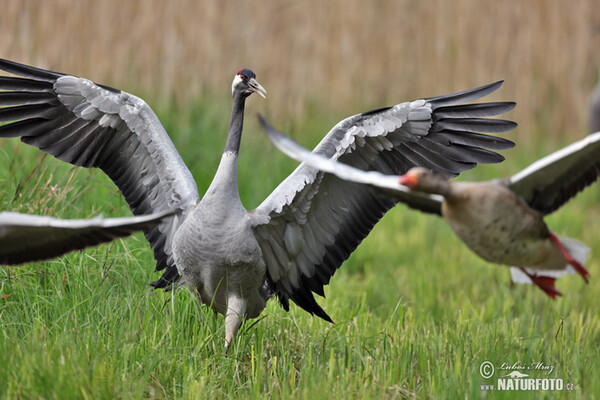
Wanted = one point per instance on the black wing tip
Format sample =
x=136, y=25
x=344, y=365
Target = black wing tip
x=263, y=122
x=310, y=305
x=473, y=110
x=509, y=104
x=509, y=144
x=496, y=84
x=29, y=71
x=168, y=280
x=322, y=314
x=161, y=284
x=6, y=64
x=501, y=125
x=25, y=70
x=304, y=299
x=269, y=130
x=474, y=125
x=157, y=284
x=376, y=111
x=490, y=87
x=284, y=301
x=464, y=96
x=459, y=137
x=494, y=142
x=487, y=88
x=499, y=158
x=277, y=138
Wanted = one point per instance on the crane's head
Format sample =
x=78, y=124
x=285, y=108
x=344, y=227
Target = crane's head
x=245, y=82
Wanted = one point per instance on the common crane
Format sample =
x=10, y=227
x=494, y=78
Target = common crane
x=292, y=244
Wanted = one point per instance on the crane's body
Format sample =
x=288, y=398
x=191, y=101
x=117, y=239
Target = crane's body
x=215, y=249
x=219, y=258
x=217, y=254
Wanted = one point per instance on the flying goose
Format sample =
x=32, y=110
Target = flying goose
x=291, y=245
x=500, y=220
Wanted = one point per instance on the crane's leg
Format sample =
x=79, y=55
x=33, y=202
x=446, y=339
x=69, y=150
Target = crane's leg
x=236, y=308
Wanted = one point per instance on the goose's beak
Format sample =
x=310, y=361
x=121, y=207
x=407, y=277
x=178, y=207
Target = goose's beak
x=410, y=180
x=256, y=87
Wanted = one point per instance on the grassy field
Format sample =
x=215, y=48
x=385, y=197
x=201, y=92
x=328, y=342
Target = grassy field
x=416, y=313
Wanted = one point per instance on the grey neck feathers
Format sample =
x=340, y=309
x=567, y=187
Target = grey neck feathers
x=224, y=184
x=437, y=185
x=225, y=181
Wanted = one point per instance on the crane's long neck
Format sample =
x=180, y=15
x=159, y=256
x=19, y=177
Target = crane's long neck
x=236, y=123
x=225, y=181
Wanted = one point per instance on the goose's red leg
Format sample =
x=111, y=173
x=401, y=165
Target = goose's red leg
x=545, y=283
x=569, y=258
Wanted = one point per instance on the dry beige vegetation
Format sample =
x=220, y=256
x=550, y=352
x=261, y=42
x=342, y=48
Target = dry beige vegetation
x=338, y=55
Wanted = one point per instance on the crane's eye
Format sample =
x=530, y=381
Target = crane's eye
x=243, y=77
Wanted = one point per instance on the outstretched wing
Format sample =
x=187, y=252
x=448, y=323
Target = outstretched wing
x=28, y=238
x=316, y=220
x=92, y=125
x=388, y=184
x=550, y=182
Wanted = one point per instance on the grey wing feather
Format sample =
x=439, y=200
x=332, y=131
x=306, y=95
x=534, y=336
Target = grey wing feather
x=28, y=238
x=388, y=184
x=331, y=216
x=550, y=182
x=92, y=125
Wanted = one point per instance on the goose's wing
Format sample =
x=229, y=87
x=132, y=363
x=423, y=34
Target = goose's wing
x=27, y=238
x=313, y=221
x=550, y=182
x=92, y=125
x=388, y=184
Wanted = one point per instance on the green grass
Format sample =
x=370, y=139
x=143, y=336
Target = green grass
x=416, y=313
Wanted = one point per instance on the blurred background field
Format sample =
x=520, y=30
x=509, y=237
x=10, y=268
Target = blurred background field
x=416, y=313
x=340, y=55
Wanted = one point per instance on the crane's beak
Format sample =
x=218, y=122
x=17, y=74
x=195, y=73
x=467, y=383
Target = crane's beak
x=255, y=87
